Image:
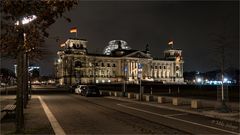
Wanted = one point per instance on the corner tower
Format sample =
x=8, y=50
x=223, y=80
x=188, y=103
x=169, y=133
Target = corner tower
x=175, y=55
x=75, y=46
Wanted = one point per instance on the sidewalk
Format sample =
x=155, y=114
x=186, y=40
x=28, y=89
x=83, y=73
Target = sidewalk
x=36, y=121
x=8, y=88
x=209, y=112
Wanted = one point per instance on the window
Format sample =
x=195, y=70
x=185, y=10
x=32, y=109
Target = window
x=177, y=67
x=114, y=65
x=160, y=67
x=78, y=64
x=74, y=46
x=81, y=46
x=102, y=64
x=108, y=65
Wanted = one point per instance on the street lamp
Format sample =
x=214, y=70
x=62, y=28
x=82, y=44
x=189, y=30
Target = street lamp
x=26, y=20
x=140, y=80
x=223, y=106
x=124, y=78
x=21, y=72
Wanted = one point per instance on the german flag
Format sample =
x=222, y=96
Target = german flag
x=73, y=30
x=170, y=43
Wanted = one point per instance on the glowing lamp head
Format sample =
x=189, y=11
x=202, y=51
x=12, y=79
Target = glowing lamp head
x=225, y=80
x=199, y=80
x=27, y=19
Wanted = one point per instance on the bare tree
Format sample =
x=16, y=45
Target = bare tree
x=222, y=43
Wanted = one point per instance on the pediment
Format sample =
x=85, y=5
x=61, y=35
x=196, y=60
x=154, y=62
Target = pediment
x=138, y=54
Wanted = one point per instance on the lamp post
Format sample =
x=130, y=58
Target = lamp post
x=125, y=68
x=21, y=72
x=140, y=80
x=223, y=107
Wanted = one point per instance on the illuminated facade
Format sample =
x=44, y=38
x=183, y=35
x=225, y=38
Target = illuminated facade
x=76, y=65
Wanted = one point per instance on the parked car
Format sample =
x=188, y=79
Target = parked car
x=91, y=90
x=79, y=89
x=72, y=88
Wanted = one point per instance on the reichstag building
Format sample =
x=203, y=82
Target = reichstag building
x=117, y=64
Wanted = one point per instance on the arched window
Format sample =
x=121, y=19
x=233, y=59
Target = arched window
x=74, y=46
x=81, y=46
x=78, y=64
x=177, y=68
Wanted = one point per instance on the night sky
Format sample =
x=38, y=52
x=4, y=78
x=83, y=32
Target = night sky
x=191, y=25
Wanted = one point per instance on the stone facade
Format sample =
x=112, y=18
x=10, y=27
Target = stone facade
x=76, y=65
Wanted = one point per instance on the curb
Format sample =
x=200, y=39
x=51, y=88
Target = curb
x=177, y=109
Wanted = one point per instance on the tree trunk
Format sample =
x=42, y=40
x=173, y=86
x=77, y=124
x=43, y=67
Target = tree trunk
x=20, y=88
x=25, y=79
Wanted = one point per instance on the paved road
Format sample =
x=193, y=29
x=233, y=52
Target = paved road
x=74, y=114
x=98, y=115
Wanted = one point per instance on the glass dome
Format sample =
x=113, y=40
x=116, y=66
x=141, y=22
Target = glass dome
x=112, y=45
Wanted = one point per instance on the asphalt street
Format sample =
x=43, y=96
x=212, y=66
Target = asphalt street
x=99, y=115
x=69, y=113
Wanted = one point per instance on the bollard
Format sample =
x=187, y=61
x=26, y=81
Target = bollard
x=161, y=100
x=137, y=97
x=149, y=98
x=176, y=101
x=130, y=95
x=196, y=104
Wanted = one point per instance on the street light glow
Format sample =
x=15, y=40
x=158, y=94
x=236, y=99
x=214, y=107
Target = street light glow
x=225, y=80
x=26, y=20
x=199, y=80
x=59, y=60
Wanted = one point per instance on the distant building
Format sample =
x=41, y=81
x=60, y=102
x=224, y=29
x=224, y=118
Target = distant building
x=117, y=64
x=31, y=69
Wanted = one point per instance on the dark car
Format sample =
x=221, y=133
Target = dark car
x=91, y=90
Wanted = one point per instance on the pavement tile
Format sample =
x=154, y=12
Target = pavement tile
x=36, y=121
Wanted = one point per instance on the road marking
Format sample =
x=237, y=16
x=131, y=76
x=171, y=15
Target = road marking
x=58, y=130
x=169, y=117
